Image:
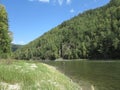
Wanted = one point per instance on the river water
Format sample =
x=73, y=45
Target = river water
x=91, y=75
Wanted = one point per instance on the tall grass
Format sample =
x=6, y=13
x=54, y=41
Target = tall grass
x=23, y=75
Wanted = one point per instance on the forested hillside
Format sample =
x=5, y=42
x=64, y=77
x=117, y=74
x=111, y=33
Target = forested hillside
x=94, y=34
x=5, y=34
x=14, y=47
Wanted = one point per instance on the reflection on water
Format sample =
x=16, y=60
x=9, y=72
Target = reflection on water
x=100, y=75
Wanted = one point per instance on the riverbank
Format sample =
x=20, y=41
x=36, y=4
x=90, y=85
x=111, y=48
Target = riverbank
x=93, y=60
x=28, y=75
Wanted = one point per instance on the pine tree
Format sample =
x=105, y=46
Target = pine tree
x=5, y=40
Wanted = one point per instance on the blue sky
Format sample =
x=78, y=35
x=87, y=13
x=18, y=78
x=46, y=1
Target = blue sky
x=29, y=19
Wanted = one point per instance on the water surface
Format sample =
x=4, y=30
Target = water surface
x=103, y=75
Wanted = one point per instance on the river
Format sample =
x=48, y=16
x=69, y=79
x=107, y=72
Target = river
x=91, y=75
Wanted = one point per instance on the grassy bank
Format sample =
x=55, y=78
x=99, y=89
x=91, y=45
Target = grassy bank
x=23, y=75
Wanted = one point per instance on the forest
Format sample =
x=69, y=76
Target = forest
x=94, y=34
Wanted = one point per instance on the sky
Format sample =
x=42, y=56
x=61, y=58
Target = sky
x=29, y=19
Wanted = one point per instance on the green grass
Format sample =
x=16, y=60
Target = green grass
x=25, y=75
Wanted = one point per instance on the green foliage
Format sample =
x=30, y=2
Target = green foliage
x=5, y=40
x=94, y=34
x=15, y=47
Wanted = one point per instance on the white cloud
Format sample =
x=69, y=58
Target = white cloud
x=60, y=2
x=30, y=0
x=44, y=1
x=72, y=11
x=68, y=1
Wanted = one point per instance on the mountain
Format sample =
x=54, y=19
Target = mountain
x=14, y=47
x=94, y=34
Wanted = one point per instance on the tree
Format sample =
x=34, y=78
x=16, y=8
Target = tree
x=5, y=40
x=94, y=34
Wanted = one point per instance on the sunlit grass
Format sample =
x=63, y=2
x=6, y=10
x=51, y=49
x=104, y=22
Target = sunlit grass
x=24, y=75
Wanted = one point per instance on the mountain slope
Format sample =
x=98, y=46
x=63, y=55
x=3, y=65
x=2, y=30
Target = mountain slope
x=14, y=47
x=94, y=34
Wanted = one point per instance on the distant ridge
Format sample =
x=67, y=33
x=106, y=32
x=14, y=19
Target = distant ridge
x=14, y=47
